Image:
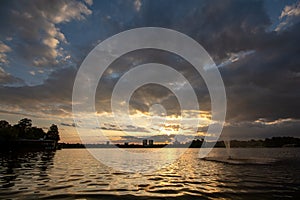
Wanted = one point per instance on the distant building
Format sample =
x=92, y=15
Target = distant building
x=151, y=142
x=145, y=142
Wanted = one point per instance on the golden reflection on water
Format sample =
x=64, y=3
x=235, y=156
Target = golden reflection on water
x=185, y=174
x=77, y=172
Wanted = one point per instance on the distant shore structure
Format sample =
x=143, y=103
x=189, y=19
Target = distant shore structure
x=151, y=142
x=148, y=143
x=145, y=142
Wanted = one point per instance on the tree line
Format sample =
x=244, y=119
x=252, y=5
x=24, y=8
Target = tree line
x=24, y=130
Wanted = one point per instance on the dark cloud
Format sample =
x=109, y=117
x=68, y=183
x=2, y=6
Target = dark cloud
x=249, y=130
x=144, y=97
x=221, y=26
x=266, y=83
x=260, y=68
x=230, y=26
x=263, y=84
x=54, y=97
x=126, y=128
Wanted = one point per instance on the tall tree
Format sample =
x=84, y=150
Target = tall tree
x=23, y=126
x=25, y=123
x=4, y=124
x=7, y=133
x=53, y=133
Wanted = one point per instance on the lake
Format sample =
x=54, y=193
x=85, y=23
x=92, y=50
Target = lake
x=260, y=173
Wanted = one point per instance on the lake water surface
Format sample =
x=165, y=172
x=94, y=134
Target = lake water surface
x=76, y=174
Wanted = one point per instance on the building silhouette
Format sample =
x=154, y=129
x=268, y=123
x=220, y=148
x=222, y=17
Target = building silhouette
x=145, y=142
x=151, y=142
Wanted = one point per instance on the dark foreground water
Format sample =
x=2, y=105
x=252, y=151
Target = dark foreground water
x=75, y=174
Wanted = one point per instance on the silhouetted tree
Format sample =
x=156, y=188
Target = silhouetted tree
x=25, y=123
x=7, y=133
x=4, y=124
x=23, y=126
x=35, y=133
x=53, y=133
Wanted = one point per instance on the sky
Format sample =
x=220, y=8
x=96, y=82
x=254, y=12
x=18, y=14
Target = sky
x=255, y=45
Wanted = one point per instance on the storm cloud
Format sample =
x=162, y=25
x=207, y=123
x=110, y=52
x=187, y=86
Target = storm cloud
x=260, y=66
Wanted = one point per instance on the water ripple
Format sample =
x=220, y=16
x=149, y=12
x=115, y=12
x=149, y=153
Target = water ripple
x=64, y=175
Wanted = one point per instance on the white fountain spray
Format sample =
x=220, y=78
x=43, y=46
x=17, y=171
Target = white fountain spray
x=227, y=145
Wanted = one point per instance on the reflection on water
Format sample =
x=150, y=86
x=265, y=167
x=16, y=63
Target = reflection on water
x=19, y=172
x=74, y=173
x=137, y=160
